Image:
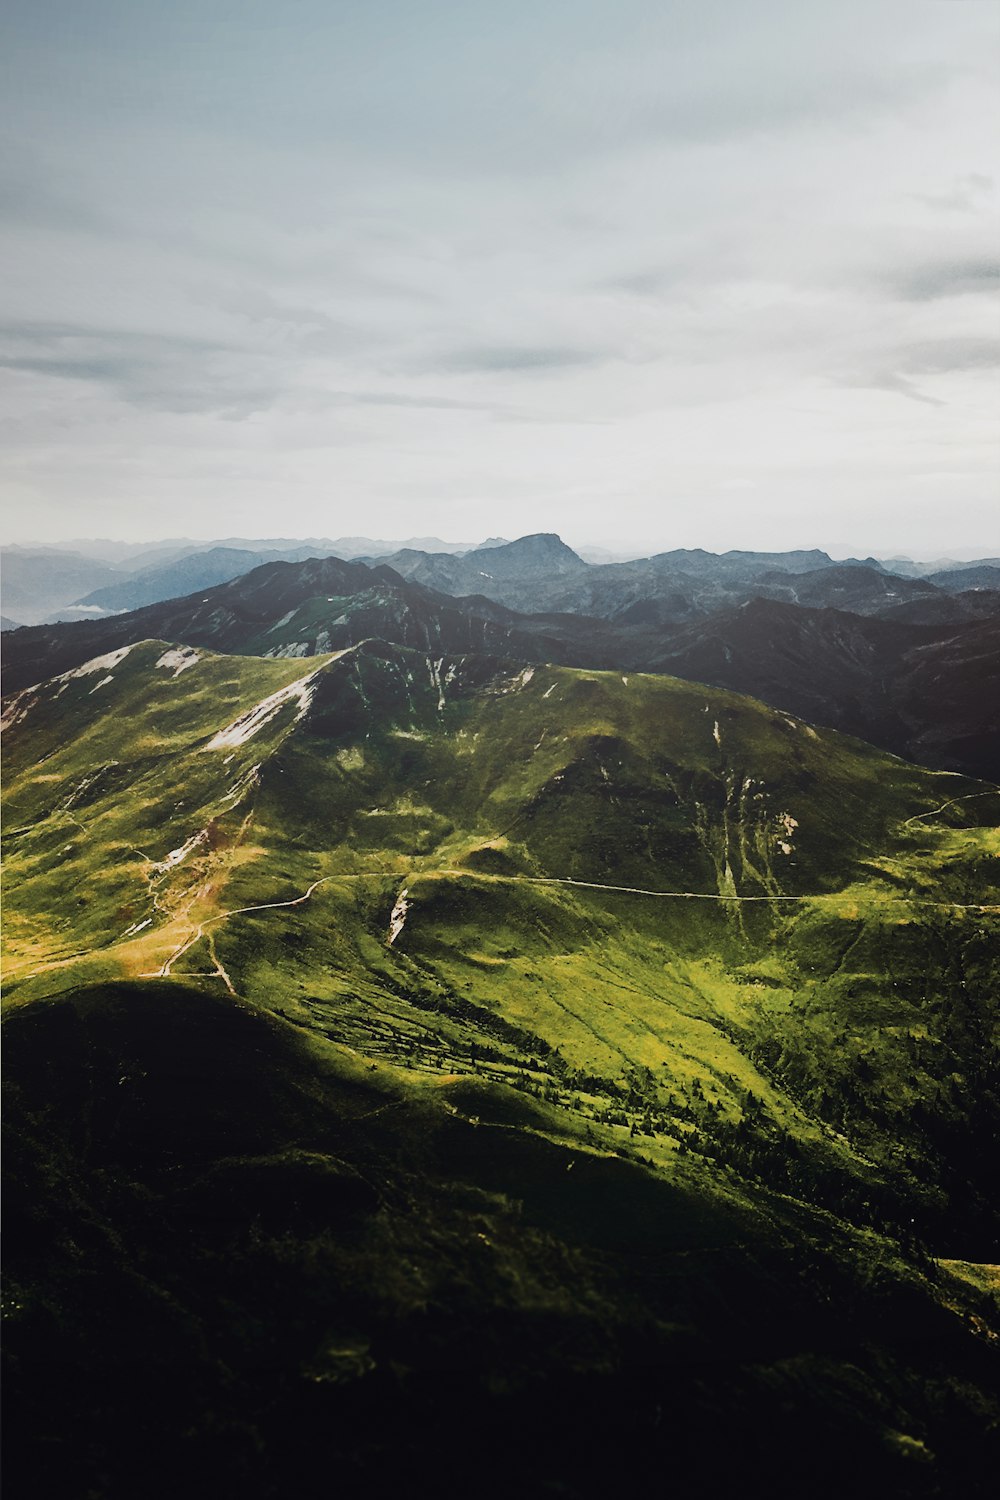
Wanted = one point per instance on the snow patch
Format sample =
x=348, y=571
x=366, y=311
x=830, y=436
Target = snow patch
x=137, y=927
x=397, y=918
x=434, y=668
x=96, y=664
x=278, y=623
x=787, y=826
x=717, y=737
x=18, y=708
x=179, y=658
x=549, y=690
x=242, y=784
x=103, y=683
x=250, y=723
x=177, y=856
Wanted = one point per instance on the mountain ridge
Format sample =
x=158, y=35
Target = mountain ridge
x=857, y=673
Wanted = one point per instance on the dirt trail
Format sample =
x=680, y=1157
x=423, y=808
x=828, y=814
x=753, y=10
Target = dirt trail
x=933, y=812
x=594, y=885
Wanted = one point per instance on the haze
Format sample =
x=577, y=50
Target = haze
x=646, y=274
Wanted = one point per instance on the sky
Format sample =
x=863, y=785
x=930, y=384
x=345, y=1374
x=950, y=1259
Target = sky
x=645, y=273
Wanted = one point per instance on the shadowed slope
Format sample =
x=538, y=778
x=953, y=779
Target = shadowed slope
x=237, y=1262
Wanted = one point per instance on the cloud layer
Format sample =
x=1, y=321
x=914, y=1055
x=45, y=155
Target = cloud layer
x=651, y=274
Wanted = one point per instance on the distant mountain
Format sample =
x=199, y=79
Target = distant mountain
x=867, y=676
x=182, y=576
x=982, y=575
x=51, y=584
x=541, y=575
x=36, y=583
x=6, y=624
x=493, y=541
x=523, y=575
x=863, y=590
x=906, y=567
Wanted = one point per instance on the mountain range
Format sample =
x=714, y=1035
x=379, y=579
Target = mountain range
x=517, y=1043
x=910, y=667
x=94, y=579
x=540, y=573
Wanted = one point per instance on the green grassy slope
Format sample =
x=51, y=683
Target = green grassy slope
x=240, y=1262
x=472, y=1054
x=686, y=922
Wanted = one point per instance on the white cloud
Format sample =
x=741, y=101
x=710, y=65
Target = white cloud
x=545, y=267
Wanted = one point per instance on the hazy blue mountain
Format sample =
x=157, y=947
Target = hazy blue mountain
x=37, y=583
x=980, y=575
x=195, y=570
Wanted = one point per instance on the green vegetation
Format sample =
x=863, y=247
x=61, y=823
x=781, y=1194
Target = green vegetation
x=254, y=1262
x=736, y=974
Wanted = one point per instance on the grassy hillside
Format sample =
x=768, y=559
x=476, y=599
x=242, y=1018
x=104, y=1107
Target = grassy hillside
x=690, y=924
x=418, y=1058
x=241, y=1261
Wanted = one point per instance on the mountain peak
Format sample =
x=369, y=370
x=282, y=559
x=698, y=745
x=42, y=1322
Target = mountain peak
x=542, y=549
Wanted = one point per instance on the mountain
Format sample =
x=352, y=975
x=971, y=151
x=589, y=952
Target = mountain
x=983, y=575
x=926, y=693
x=536, y=574
x=541, y=575
x=856, y=588
x=36, y=583
x=49, y=584
x=466, y=1050
x=6, y=624
x=866, y=676
x=906, y=567
x=530, y=568
x=180, y=576
x=492, y=828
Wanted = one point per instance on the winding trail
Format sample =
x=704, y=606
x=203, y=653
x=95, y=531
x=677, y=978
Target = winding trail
x=933, y=812
x=201, y=930
x=222, y=916
x=594, y=885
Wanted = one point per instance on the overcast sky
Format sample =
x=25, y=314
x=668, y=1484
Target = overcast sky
x=645, y=273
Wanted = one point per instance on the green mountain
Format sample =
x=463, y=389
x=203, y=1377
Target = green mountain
x=924, y=691
x=360, y=1002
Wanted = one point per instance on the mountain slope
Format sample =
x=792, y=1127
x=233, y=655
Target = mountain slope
x=874, y=678
x=237, y=1259
x=380, y=837
x=928, y=693
x=475, y=1053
